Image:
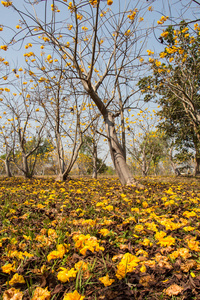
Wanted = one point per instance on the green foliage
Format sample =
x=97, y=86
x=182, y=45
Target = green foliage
x=175, y=80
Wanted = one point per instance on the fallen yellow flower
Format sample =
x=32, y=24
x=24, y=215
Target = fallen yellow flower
x=106, y=280
x=41, y=294
x=17, y=279
x=73, y=296
x=12, y=294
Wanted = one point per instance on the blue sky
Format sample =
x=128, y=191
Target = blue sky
x=9, y=19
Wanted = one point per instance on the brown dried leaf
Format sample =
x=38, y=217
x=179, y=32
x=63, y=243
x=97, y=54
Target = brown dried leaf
x=188, y=265
x=173, y=290
x=122, y=247
x=165, y=264
x=146, y=280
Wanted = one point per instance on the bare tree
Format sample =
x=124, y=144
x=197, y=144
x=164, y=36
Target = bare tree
x=101, y=48
x=21, y=112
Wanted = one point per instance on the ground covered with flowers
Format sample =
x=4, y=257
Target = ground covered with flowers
x=94, y=239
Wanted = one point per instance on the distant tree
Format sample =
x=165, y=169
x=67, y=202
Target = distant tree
x=90, y=149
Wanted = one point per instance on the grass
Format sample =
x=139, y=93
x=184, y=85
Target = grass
x=100, y=239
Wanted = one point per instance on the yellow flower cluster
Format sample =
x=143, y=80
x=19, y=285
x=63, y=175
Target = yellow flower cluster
x=86, y=242
x=59, y=253
x=150, y=52
x=6, y=3
x=164, y=33
x=17, y=279
x=65, y=274
x=29, y=54
x=132, y=14
x=127, y=264
x=4, y=47
x=162, y=20
x=183, y=252
x=193, y=244
x=8, y=268
x=93, y=2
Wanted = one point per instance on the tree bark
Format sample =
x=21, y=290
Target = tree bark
x=7, y=167
x=26, y=171
x=94, y=161
x=117, y=153
x=197, y=164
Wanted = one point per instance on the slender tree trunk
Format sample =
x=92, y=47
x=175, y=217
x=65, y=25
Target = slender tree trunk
x=7, y=167
x=94, y=161
x=144, y=163
x=60, y=153
x=117, y=154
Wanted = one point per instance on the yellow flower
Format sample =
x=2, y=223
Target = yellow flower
x=164, y=33
x=127, y=264
x=104, y=231
x=17, y=279
x=193, y=245
x=150, y=52
x=66, y=274
x=59, y=253
x=8, y=268
x=167, y=241
x=12, y=294
x=145, y=204
x=143, y=269
x=41, y=294
x=109, y=2
x=6, y=3
x=4, y=47
x=73, y=296
x=160, y=235
x=81, y=265
x=162, y=54
x=106, y=280
x=127, y=33
x=79, y=17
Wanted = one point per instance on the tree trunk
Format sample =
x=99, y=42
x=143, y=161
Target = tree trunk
x=62, y=177
x=25, y=166
x=94, y=161
x=144, y=163
x=117, y=154
x=7, y=167
x=197, y=164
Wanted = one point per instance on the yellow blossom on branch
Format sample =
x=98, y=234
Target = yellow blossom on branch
x=109, y=2
x=6, y=3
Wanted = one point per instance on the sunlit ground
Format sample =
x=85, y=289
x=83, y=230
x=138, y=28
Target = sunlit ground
x=93, y=239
